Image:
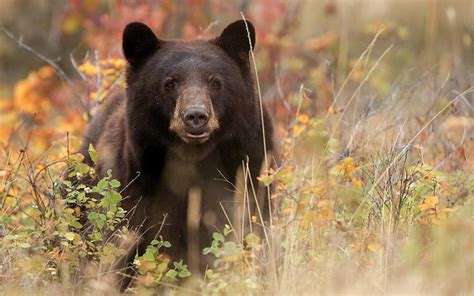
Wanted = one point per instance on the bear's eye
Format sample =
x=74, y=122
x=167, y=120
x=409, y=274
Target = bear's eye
x=215, y=83
x=170, y=84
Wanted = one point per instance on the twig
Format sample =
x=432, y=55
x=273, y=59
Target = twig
x=60, y=72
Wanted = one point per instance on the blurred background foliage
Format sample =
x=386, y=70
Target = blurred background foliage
x=372, y=104
x=298, y=41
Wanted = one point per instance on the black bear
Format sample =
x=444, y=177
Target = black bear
x=190, y=119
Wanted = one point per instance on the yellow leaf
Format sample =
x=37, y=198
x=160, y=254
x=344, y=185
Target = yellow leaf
x=357, y=182
x=447, y=210
x=45, y=72
x=88, y=69
x=70, y=236
x=327, y=214
x=71, y=24
x=317, y=190
x=265, y=179
x=232, y=258
x=252, y=240
x=118, y=63
x=424, y=207
x=303, y=119
x=146, y=265
x=298, y=129
x=374, y=247
x=303, y=202
x=431, y=200
x=309, y=217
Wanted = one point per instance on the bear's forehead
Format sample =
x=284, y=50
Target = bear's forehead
x=192, y=55
x=190, y=46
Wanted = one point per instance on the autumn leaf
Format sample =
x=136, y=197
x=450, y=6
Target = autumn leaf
x=304, y=119
x=88, y=69
x=298, y=129
x=327, y=214
x=373, y=246
x=309, y=217
x=430, y=202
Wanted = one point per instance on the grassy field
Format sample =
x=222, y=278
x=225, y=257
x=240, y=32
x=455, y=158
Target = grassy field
x=374, y=193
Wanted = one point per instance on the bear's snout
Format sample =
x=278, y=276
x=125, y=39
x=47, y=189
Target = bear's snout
x=195, y=118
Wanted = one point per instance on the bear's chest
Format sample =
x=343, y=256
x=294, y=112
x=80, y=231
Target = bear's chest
x=179, y=175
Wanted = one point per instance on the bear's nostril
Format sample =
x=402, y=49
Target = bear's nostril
x=195, y=117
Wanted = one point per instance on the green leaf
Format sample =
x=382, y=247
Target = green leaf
x=150, y=253
x=184, y=273
x=24, y=245
x=120, y=213
x=101, y=186
x=178, y=264
x=218, y=237
x=81, y=197
x=206, y=251
x=114, y=196
x=100, y=224
x=92, y=216
x=96, y=235
x=229, y=248
x=75, y=224
x=227, y=230
x=162, y=267
x=171, y=273
x=210, y=273
x=111, y=199
x=92, y=153
x=114, y=183
x=5, y=220
x=70, y=236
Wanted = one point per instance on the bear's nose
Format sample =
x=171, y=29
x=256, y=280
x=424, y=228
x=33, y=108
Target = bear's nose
x=195, y=117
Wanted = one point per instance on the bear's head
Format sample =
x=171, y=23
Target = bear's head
x=188, y=93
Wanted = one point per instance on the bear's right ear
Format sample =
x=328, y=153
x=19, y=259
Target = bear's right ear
x=138, y=43
x=236, y=40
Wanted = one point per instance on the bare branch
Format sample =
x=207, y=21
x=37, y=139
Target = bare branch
x=60, y=72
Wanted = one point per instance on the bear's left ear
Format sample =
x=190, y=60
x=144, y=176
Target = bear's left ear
x=138, y=43
x=235, y=40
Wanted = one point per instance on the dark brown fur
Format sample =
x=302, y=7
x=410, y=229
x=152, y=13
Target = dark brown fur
x=141, y=137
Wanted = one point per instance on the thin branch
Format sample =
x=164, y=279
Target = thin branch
x=60, y=72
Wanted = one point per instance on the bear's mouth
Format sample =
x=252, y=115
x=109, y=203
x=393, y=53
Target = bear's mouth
x=195, y=137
